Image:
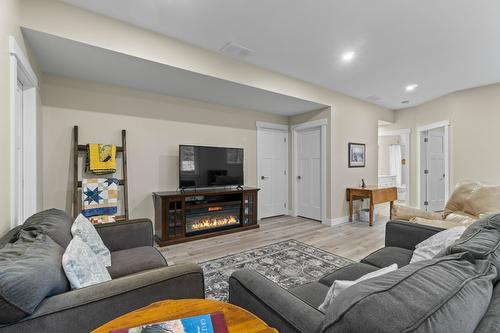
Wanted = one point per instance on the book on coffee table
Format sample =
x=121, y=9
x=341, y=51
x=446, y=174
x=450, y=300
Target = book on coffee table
x=208, y=323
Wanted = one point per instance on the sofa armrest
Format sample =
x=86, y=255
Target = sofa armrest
x=276, y=306
x=85, y=309
x=126, y=234
x=406, y=234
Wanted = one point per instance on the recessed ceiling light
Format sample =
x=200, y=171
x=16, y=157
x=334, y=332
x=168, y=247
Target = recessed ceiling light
x=411, y=87
x=348, y=56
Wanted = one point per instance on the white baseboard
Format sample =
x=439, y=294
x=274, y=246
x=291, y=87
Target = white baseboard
x=336, y=221
x=290, y=213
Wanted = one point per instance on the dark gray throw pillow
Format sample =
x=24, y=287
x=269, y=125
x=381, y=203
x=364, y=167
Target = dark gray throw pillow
x=30, y=271
x=53, y=222
x=481, y=240
x=448, y=294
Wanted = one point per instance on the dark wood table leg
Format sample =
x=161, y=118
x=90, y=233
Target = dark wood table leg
x=371, y=213
x=350, y=207
x=390, y=209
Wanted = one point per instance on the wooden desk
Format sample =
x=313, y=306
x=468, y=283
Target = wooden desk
x=376, y=195
x=237, y=319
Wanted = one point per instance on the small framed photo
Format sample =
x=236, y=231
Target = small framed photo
x=357, y=155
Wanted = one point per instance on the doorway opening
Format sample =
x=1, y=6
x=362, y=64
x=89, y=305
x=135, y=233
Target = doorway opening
x=394, y=161
x=433, y=166
x=23, y=130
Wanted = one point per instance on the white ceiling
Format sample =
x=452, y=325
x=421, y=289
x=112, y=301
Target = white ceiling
x=60, y=56
x=441, y=45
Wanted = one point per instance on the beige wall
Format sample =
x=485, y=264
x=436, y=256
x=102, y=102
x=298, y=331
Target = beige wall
x=351, y=119
x=474, y=115
x=155, y=124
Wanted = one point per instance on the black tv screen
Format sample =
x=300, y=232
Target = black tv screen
x=201, y=166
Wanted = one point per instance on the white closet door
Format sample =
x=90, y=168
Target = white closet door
x=309, y=173
x=434, y=172
x=272, y=176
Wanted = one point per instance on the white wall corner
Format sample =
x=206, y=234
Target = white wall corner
x=336, y=221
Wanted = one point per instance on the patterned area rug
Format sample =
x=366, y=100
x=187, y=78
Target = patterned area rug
x=288, y=263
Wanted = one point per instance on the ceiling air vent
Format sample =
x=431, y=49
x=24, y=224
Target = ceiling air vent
x=236, y=50
x=372, y=98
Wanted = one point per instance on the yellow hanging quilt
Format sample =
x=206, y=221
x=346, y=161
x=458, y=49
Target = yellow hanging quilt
x=101, y=159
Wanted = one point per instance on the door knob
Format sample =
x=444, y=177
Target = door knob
x=263, y=177
x=299, y=177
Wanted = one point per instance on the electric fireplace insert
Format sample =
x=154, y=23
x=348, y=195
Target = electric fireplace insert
x=208, y=219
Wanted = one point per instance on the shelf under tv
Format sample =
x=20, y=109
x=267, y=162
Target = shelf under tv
x=175, y=212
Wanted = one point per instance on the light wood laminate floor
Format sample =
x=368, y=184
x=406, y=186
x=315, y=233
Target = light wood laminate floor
x=351, y=240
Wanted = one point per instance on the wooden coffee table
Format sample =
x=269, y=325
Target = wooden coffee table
x=237, y=319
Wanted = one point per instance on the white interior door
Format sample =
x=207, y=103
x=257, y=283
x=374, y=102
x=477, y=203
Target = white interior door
x=19, y=158
x=272, y=176
x=309, y=173
x=434, y=172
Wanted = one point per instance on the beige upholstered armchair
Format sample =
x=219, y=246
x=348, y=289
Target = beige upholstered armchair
x=469, y=202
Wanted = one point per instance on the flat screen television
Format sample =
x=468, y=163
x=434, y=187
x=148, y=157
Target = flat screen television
x=201, y=166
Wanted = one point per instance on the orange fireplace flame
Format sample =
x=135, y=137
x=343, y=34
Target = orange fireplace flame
x=214, y=222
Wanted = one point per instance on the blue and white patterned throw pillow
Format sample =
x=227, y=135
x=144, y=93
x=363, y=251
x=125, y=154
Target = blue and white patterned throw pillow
x=82, y=267
x=87, y=232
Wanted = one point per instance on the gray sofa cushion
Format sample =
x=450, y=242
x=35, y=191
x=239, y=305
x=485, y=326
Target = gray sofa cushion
x=126, y=234
x=349, y=273
x=53, y=222
x=30, y=271
x=447, y=294
x=311, y=293
x=388, y=256
x=481, y=240
x=491, y=320
x=138, y=259
x=278, y=307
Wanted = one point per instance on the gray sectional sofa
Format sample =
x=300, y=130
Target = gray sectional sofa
x=455, y=292
x=35, y=295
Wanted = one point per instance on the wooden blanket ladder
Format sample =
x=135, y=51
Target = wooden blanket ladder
x=77, y=184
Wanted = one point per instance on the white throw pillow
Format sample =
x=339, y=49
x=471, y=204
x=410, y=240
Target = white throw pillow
x=82, y=267
x=339, y=286
x=433, y=245
x=87, y=232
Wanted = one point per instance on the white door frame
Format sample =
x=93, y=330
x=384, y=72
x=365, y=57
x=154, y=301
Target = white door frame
x=321, y=124
x=447, y=163
x=261, y=125
x=21, y=70
x=406, y=132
